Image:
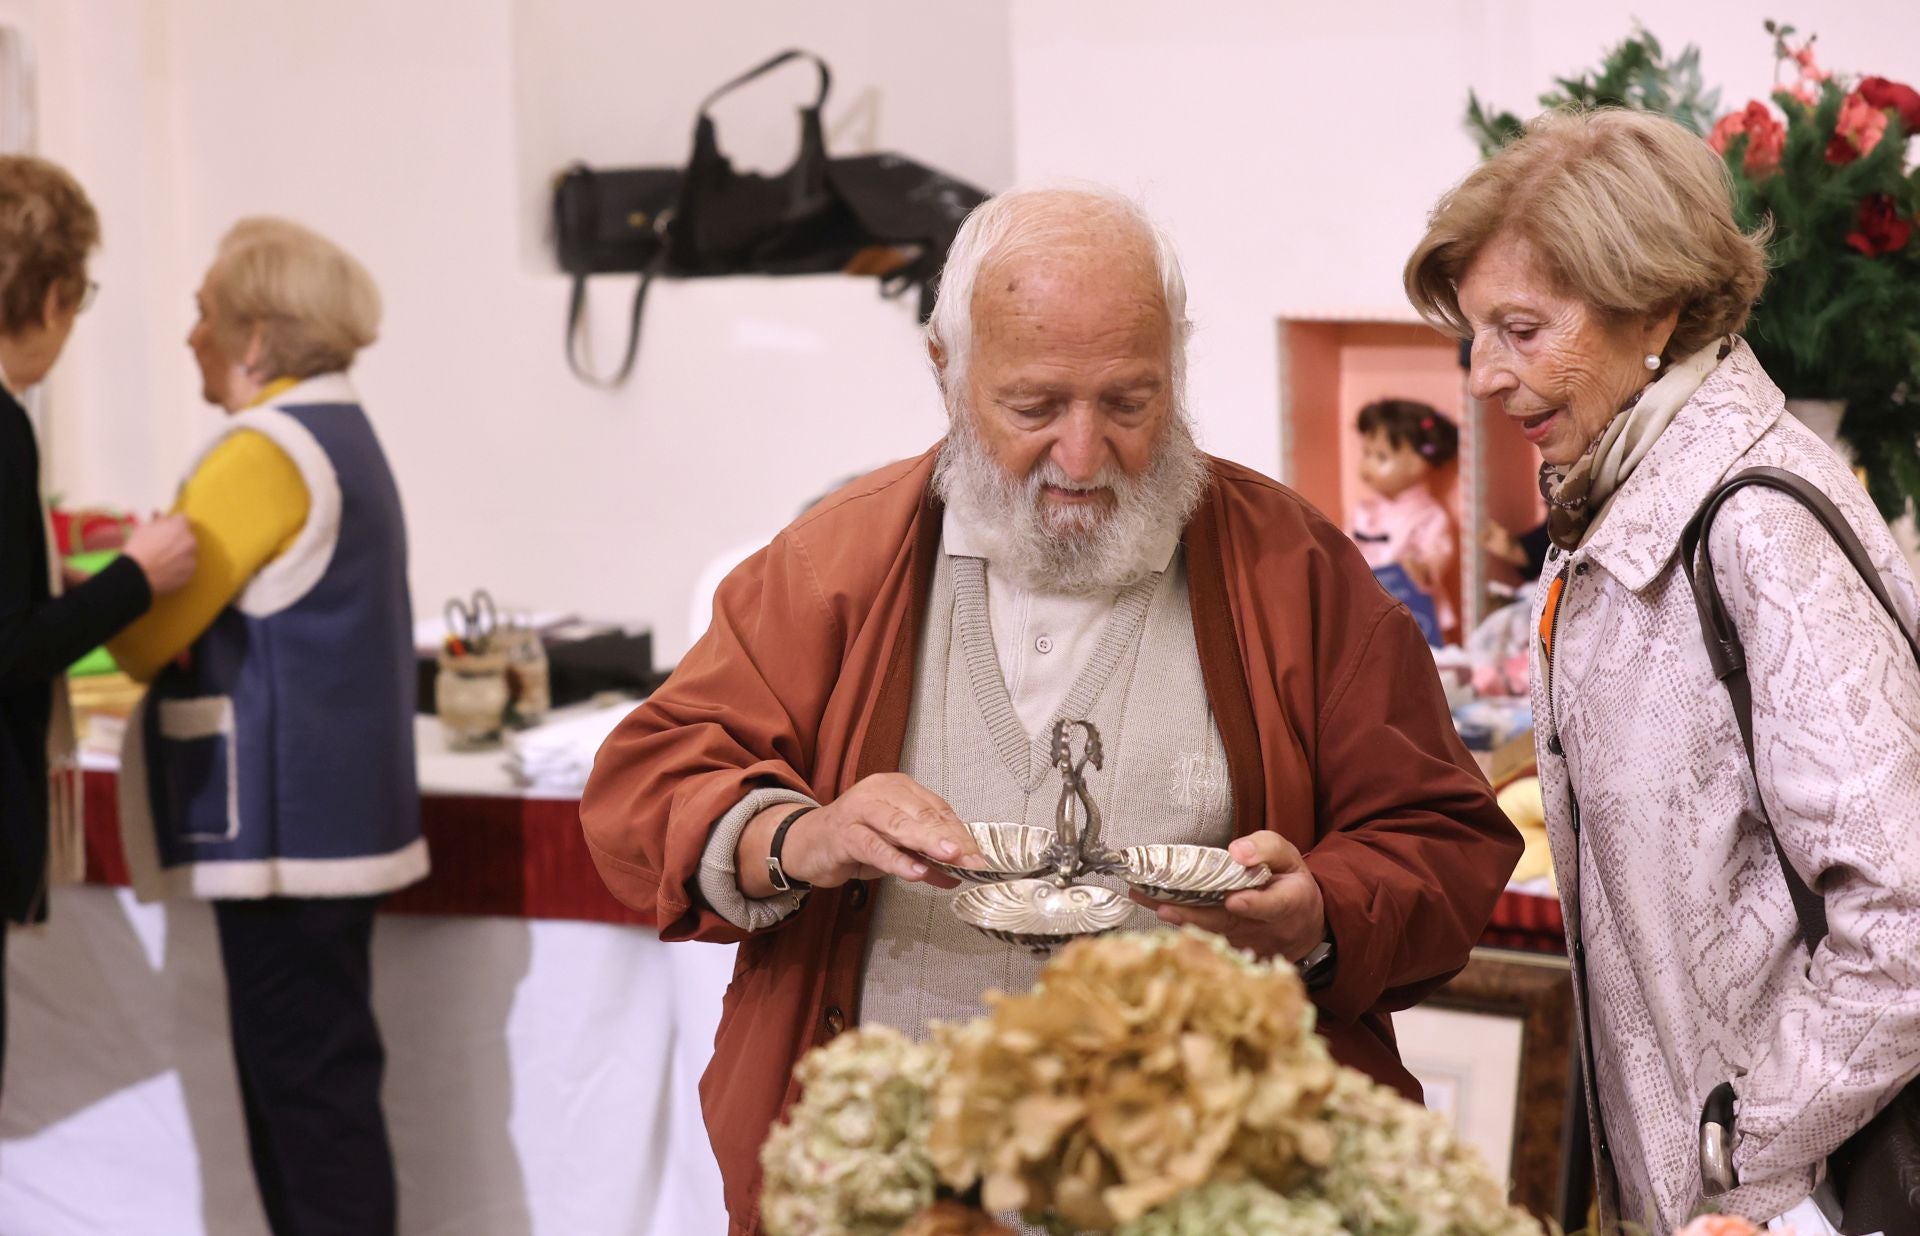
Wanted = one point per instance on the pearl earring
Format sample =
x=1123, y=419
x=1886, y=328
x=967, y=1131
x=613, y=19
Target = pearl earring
x=1652, y=362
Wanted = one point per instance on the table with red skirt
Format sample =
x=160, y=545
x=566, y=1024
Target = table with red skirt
x=543, y=1044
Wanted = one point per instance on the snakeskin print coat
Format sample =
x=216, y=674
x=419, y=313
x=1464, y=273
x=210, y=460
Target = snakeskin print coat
x=1693, y=964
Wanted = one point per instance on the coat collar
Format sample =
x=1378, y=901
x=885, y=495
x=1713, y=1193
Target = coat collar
x=1639, y=531
x=322, y=388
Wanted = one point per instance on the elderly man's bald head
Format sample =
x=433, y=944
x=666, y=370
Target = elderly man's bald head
x=1028, y=234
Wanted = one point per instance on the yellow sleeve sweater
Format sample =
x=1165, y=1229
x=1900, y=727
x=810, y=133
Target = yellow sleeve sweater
x=246, y=502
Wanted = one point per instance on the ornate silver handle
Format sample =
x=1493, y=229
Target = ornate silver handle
x=1076, y=848
x=1716, y=1142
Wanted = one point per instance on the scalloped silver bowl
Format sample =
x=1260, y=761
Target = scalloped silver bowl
x=1189, y=875
x=1039, y=914
x=1012, y=852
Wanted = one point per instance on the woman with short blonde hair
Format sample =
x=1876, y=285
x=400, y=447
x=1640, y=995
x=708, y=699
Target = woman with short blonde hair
x=300, y=680
x=287, y=301
x=1596, y=266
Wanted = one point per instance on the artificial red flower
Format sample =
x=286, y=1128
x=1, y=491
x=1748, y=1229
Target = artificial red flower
x=1719, y=1225
x=1766, y=138
x=1880, y=229
x=1857, y=130
x=1809, y=68
x=1904, y=100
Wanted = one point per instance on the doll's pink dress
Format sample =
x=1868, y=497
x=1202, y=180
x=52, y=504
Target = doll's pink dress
x=1411, y=527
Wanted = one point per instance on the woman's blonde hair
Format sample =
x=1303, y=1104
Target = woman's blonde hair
x=314, y=304
x=1627, y=211
x=47, y=229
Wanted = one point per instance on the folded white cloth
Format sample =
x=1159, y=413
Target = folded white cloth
x=558, y=755
x=1808, y=1218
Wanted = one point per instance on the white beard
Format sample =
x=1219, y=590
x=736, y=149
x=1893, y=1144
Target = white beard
x=1072, y=550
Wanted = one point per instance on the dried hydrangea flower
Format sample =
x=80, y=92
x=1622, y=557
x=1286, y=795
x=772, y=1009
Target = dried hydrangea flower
x=851, y=1159
x=1237, y=1208
x=1140, y=1067
x=1398, y=1170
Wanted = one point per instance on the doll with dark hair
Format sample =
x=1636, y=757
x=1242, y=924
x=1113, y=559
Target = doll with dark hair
x=1400, y=522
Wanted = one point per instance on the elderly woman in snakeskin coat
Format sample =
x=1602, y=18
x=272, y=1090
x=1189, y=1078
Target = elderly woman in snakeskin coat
x=1596, y=267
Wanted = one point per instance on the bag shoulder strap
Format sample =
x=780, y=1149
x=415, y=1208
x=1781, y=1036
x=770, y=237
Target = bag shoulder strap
x=1728, y=654
x=768, y=66
x=576, y=310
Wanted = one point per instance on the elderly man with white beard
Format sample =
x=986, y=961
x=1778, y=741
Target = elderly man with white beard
x=891, y=665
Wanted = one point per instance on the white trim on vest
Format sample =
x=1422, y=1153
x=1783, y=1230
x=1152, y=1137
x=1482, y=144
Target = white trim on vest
x=290, y=576
x=246, y=879
x=208, y=717
x=242, y=878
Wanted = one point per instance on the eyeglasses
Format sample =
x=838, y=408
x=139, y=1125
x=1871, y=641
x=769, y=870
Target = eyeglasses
x=87, y=297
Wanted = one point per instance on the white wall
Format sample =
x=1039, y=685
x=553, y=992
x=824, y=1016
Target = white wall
x=420, y=136
x=1294, y=148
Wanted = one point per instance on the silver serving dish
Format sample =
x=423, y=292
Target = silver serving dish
x=1010, y=852
x=1189, y=875
x=1039, y=914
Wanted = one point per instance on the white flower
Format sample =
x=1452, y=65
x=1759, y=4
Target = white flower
x=851, y=1160
x=1237, y=1208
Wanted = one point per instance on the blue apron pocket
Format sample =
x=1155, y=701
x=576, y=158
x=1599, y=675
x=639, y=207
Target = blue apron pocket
x=199, y=768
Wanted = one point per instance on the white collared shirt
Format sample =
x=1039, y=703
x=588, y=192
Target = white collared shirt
x=1041, y=639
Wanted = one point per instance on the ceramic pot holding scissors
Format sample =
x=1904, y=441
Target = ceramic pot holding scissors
x=471, y=623
x=471, y=696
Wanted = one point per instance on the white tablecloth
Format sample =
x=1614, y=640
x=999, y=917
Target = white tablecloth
x=540, y=1075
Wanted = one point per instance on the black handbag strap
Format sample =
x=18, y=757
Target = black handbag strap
x=576, y=310
x=1728, y=654
x=826, y=78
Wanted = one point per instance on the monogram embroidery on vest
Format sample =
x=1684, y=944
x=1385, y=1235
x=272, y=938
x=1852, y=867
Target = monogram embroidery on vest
x=1197, y=784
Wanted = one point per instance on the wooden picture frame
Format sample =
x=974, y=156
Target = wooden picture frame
x=1549, y=1167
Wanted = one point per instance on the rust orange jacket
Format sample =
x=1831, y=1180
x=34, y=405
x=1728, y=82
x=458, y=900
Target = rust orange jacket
x=1336, y=731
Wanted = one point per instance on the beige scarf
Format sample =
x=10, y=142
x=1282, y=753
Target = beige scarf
x=1578, y=494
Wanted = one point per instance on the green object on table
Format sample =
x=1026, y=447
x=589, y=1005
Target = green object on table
x=99, y=661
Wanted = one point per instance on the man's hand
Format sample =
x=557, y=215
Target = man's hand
x=882, y=826
x=1285, y=917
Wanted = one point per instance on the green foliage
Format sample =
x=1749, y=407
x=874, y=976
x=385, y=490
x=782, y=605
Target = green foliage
x=1835, y=323
x=1634, y=74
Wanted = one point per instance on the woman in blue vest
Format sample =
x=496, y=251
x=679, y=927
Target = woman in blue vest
x=270, y=769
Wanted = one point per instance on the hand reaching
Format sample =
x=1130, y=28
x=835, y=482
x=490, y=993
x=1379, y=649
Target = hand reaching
x=167, y=551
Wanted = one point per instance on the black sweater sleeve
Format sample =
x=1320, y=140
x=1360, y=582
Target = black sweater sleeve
x=41, y=635
x=40, y=641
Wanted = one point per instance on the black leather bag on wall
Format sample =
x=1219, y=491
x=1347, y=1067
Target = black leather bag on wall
x=878, y=215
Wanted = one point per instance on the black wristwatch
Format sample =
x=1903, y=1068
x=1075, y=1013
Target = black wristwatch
x=775, y=872
x=1316, y=968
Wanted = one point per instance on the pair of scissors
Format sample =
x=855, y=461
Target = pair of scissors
x=471, y=623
